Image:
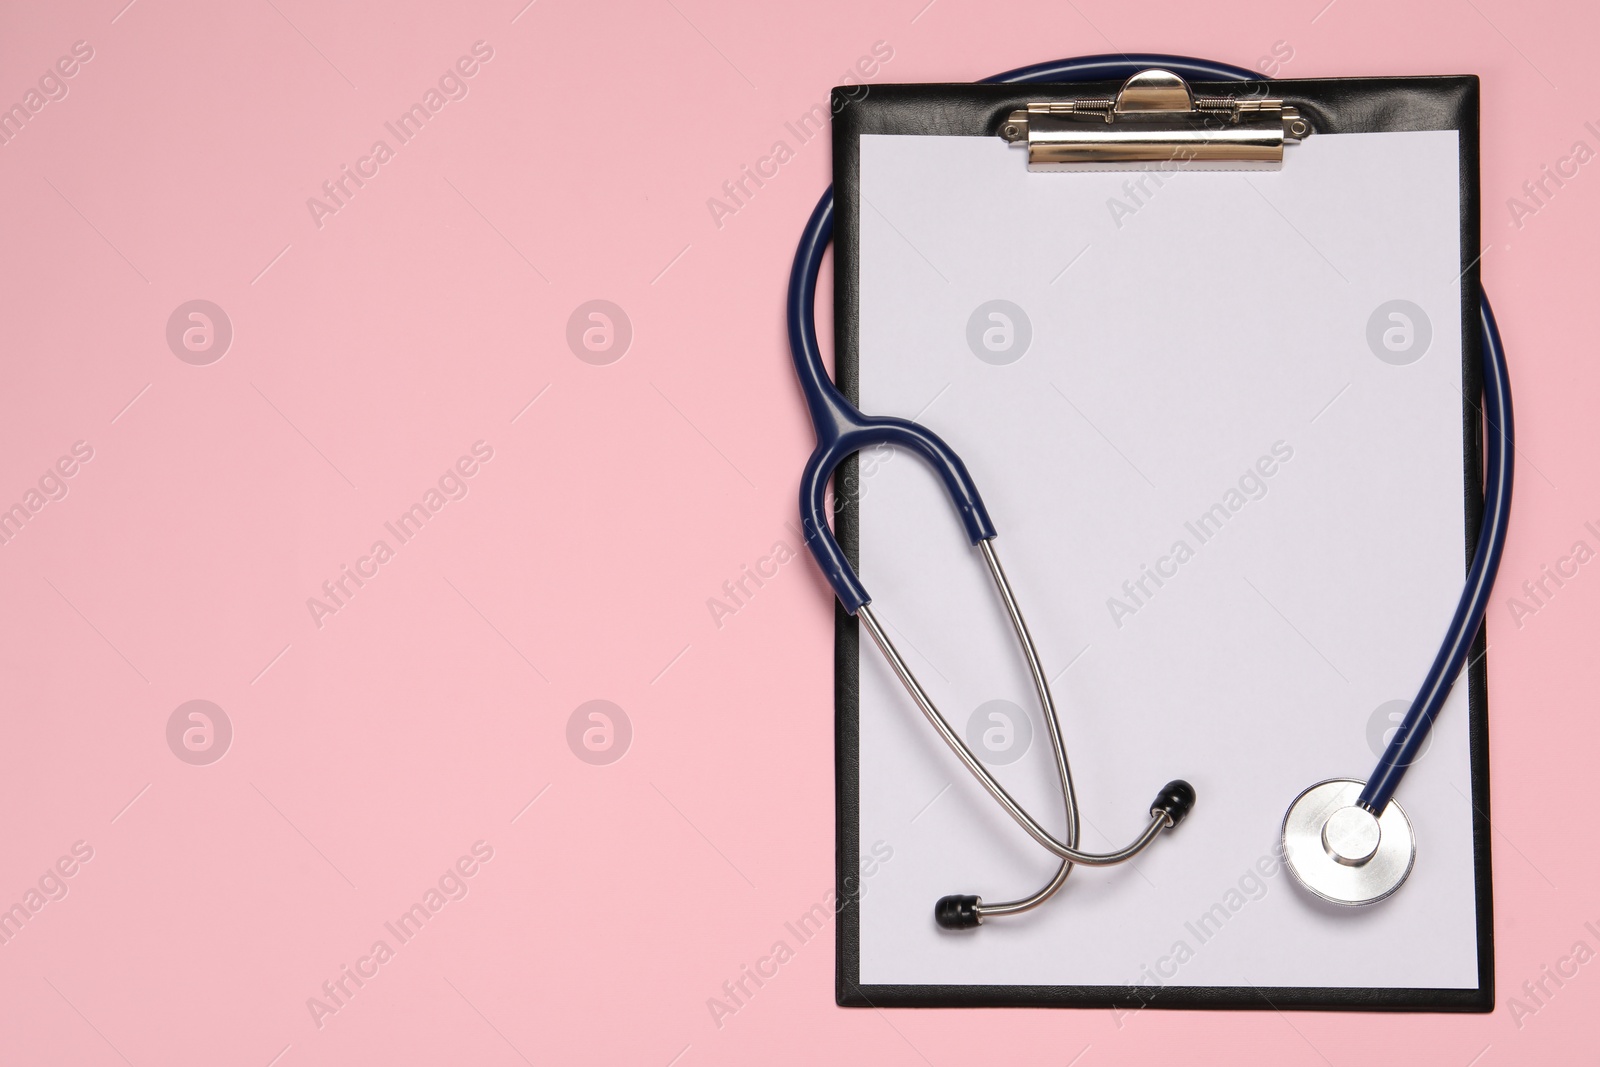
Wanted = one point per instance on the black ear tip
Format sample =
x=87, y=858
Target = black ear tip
x=1175, y=800
x=957, y=913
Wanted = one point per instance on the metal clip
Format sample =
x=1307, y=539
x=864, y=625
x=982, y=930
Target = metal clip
x=1155, y=122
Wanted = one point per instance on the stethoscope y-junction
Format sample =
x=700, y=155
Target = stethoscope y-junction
x=1344, y=840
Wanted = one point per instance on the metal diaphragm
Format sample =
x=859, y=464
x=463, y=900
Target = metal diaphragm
x=1343, y=853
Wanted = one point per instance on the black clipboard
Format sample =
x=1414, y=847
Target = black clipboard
x=1338, y=105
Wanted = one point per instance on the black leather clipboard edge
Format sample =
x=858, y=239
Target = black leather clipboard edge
x=1334, y=105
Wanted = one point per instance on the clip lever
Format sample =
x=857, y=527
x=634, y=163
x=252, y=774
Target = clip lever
x=1156, y=122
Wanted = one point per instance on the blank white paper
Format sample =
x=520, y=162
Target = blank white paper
x=1182, y=338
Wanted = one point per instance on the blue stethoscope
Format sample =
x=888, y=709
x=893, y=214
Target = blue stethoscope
x=1345, y=841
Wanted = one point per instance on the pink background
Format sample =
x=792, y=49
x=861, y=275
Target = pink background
x=368, y=354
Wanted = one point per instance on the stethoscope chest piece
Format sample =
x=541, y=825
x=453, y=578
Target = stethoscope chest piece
x=1342, y=852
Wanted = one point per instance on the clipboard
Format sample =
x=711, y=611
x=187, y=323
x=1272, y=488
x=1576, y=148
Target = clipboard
x=1281, y=949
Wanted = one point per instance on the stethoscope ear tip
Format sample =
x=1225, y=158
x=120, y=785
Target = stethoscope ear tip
x=1175, y=800
x=957, y=912
x=1168, y=809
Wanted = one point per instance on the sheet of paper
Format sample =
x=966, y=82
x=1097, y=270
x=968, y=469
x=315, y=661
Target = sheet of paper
x=1217, y=420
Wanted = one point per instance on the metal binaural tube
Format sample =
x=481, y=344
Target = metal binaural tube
x=1062, y=849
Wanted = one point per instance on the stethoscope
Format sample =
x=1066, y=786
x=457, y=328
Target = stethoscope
x=1345, y=841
